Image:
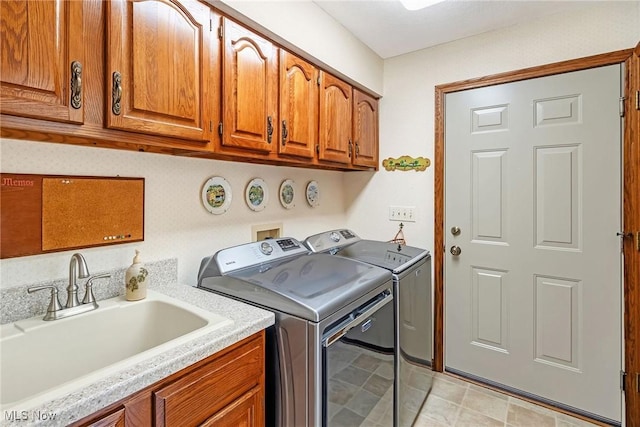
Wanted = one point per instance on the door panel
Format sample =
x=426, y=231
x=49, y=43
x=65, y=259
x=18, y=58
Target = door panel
x=298, y=106
x=532, y=179
x=42, y=55
x=335, y=120
x=250, y=90
x=159, y=56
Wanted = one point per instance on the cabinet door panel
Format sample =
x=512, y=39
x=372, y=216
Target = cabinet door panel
x=365, y=129
x=250, y=90
x=298, y=106
x=40, y=40
x=247, y=411
x=116, y=419
x=198, y=396
x=335, y=119
x=161, y=50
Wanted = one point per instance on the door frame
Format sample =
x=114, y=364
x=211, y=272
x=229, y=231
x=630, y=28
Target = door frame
x=630, y=203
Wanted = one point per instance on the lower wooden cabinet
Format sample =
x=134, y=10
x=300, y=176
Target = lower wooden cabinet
x=226, y=389
x=248, y=411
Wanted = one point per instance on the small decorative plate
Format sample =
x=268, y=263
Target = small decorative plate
x=313, y=194
x=216, y=195
x=287, y=194
x=256, y=194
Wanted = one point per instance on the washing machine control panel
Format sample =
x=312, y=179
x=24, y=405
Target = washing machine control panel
x=247, y=255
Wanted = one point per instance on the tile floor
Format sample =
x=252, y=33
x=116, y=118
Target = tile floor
x=456, y=403
x=361, y=391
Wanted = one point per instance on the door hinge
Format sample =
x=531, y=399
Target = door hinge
x=210, y=24
x=623, y=377
x=638, y=100
x=220, y=128
x=622, y=99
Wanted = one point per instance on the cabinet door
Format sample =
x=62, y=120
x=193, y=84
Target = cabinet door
x=247, y=411
x=335, y=119
x=365, y=129
x=159, y=67
x=116, y=419
x=203, y=393
x=250, y=90
x=298, y=106
x=42, y=57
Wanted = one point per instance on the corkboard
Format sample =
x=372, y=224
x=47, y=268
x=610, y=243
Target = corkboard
x=20, y=209
x=48, y=213
x=80, y=212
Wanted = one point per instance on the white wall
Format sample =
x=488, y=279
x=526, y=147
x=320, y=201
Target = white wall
x=407, y=106
x=176, y=223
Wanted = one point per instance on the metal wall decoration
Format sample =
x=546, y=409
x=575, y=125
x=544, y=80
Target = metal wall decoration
x=405, y=163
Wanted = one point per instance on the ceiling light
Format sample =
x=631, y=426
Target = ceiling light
x=418, y=4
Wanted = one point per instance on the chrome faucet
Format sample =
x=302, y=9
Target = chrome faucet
x=77, y=267
x=77, y=262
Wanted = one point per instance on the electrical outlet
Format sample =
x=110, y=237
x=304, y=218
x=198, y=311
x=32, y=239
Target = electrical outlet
x=402, y=213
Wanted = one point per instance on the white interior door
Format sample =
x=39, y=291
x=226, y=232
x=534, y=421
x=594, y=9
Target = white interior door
x=532, y=180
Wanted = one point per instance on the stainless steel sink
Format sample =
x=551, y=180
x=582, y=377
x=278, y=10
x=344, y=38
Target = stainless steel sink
x=39, y=357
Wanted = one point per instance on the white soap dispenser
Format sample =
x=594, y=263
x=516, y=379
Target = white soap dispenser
x=136, y=279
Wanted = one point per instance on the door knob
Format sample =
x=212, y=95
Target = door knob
x=455, y=250
x=455, y=230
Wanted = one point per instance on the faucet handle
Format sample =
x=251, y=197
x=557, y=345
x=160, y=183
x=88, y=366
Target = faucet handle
x=54, y=303
x=88, y=291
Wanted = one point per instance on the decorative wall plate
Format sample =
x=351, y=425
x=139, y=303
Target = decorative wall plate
x=216, y=195
x=287, y=194
x=313, y=194
x=257, y=194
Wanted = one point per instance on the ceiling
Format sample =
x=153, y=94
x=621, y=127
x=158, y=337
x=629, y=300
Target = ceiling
x=391, y=30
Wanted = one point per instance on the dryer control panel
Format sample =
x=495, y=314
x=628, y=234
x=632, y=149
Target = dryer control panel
x=331, y=241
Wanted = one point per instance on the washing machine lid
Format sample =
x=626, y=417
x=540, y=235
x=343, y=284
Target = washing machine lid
x=309, y=286
x=392, y=256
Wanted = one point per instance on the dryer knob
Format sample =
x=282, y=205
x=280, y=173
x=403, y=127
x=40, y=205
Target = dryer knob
x=266, y=248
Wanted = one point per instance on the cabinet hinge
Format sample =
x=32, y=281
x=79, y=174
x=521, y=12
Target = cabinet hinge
x=220, y=128
x=210, y=126
x=318, y=148
x=622, y=99
x=623, y=377
x=220, y=30
x=318, y=81
x=638, y=100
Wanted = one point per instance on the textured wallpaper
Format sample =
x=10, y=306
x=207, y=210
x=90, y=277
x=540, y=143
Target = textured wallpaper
x=176, y=222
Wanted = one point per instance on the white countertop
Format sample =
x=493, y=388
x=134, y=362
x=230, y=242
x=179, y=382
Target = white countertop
x=115, y=386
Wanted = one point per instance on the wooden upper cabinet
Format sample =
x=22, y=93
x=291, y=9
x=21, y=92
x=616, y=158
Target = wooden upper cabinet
x=42, y=58
x=160, y=78
x=250, y=90
x=298, y=106
x=335, y=120
x=365, y=129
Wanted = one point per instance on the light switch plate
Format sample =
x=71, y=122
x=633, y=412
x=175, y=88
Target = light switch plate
x=402, y=213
